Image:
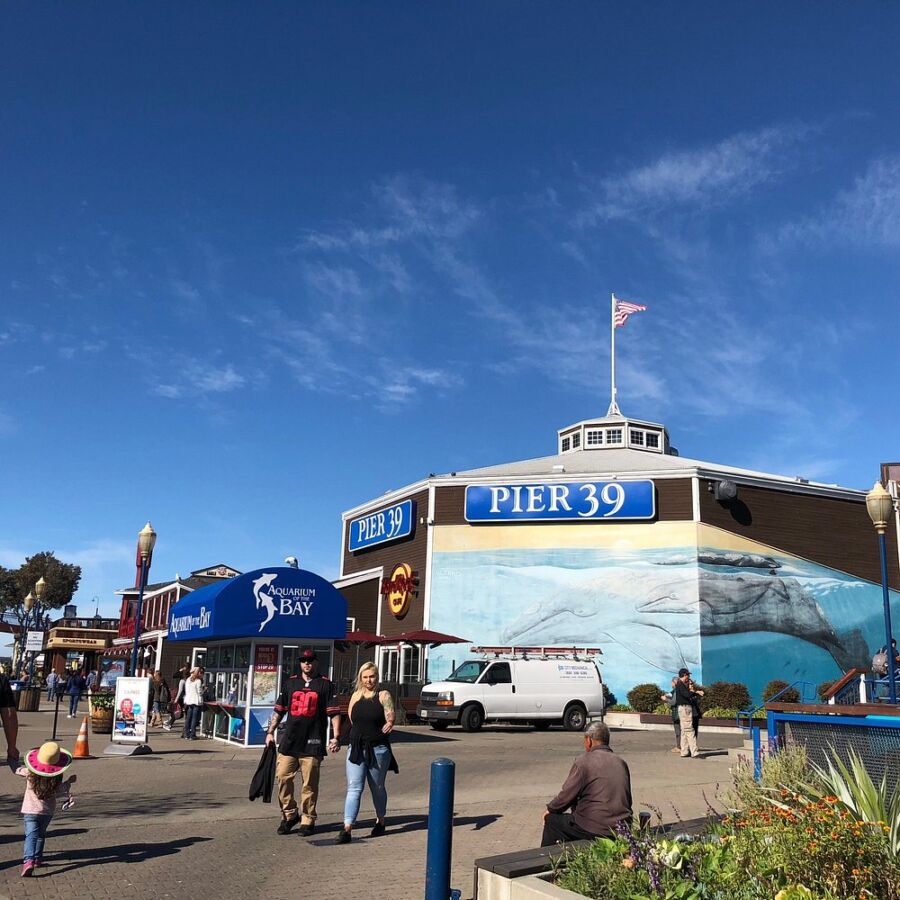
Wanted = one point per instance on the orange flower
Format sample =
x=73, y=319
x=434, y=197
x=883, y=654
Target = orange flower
x=628, y=863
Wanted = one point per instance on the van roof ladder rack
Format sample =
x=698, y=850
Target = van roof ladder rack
x=543, y=652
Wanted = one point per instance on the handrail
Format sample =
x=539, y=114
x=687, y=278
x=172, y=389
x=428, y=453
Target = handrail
x=839, y=685
x=748, y=714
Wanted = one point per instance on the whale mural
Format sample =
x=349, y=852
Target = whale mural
x=739, y=612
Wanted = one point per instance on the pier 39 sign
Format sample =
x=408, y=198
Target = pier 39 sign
x=575, y=501
x=385, y=525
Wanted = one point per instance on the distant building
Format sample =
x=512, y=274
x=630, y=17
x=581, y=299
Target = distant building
x=74, y=642
x=616, y=541
x=154, y=652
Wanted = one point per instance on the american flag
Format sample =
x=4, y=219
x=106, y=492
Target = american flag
x=624, y=309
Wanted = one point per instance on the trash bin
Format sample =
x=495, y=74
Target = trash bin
x=29, y=699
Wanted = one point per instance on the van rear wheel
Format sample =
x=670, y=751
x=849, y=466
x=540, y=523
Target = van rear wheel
x=439, y=725
x=575, y=717
x=472, y=718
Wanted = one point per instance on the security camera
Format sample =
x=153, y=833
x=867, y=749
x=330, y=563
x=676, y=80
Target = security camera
x=292, y=561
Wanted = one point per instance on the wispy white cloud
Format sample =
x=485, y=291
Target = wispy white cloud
x=866, y=214
x=198, y=379
x=7, y=424
x=697, y=179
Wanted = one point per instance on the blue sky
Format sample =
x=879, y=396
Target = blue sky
x=262, y=262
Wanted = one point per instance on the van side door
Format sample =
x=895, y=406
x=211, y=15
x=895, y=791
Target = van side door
x=499, y=691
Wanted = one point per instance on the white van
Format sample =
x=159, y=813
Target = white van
x=539, y=691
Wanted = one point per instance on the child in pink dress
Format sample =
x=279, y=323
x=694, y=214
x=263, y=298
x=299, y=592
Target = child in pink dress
x=43, y=782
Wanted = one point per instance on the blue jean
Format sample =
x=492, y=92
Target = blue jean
x=192, y=719
x=73, y=704
x=357, y=775
x=35, y=830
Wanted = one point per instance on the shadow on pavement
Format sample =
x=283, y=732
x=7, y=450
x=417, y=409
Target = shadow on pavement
x=420, y=737
x=19, y=836
x=127, y=853
x=397, y=825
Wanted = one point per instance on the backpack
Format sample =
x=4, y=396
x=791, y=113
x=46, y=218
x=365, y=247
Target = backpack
x=880, y=663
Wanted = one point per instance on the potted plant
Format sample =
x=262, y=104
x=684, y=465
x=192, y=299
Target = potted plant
x=102, y=712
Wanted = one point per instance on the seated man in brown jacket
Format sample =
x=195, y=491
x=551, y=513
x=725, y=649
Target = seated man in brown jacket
x=598, y=792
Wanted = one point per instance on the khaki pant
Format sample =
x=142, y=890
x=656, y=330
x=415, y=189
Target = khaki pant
x=688, y=736
x=286, y=768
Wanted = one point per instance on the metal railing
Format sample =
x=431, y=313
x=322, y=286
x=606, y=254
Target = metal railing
x=806, y=696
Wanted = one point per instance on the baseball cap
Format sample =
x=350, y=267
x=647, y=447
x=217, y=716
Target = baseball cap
x=307, y=655
x=683, y=672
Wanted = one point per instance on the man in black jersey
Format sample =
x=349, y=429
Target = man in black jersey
x=309, y=701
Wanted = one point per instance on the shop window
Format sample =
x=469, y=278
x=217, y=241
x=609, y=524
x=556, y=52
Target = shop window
x=226, y=656
x=242, y=656
x=637, y=438
x=593, y=437
x=613, y=435
x=653, y=440
x=411, y=659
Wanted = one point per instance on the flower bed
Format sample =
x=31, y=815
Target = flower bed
x=803, y=832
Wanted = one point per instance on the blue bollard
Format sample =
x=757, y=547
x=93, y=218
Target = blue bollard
x=440, y=830
x=757, y=752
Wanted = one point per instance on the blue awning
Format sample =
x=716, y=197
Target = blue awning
x=268, y=603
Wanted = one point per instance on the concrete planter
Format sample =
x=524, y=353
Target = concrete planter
x=654, y=722
x=492, y=886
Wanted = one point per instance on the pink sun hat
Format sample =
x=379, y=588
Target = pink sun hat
x=48, y=760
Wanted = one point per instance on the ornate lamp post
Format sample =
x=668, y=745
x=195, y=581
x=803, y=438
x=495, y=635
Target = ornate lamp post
x=146, y=543
x=33, y=619
x=880, y=505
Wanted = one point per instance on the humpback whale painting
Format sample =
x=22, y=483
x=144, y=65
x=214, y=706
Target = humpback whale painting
x=739, y=612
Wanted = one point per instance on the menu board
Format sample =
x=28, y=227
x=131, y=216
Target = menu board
x=265, y=675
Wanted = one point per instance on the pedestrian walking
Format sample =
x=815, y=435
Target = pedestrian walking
x=52, y=682
x=10, y=719
x=194, y=689
x=309, y=701
x=670, y=701
x=684, y=701
x=91, y=680
x=371, y=714
x=696, y=710
x=75, y=686
x=159, y=694
x=43, y=771
x=176, y=703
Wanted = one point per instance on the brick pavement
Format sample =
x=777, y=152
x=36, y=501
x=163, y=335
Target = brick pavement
x=178, y=823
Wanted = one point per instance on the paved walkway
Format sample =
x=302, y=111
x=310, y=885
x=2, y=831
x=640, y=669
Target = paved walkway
x=178, y=824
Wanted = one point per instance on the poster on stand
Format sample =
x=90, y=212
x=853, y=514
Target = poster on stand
x=130, y=716
x=265, y=674
x=111, y=670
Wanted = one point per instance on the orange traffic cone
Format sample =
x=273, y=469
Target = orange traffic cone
x=82, y=749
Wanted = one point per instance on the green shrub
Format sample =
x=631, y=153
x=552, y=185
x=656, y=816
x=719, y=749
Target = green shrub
x=662, y=709
x=644, y=697
x=727, y=694
x=619, y=707
x=775, y=686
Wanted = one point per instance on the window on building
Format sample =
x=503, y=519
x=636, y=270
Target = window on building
x=593, y=437
x=576, y=441
x=566, y=443
x=637, y=438
x=613, y=435
x=653, y=440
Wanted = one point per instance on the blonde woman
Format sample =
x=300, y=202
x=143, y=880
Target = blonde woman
x=193, y=702
x=371, y=714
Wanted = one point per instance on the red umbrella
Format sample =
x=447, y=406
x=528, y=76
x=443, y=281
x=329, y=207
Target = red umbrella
x=364, y=638
x=426, y=636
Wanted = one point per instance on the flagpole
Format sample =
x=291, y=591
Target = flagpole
x=613, y=406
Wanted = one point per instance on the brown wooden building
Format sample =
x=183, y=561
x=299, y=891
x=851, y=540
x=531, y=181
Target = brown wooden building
x=740, y=575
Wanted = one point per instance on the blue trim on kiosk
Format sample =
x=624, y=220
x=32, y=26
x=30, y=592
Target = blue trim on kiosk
x=276, y=602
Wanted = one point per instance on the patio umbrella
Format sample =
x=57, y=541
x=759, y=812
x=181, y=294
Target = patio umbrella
x=430, y=638
x=359, y=639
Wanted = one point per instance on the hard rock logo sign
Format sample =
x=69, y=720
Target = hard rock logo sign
x=399, y=589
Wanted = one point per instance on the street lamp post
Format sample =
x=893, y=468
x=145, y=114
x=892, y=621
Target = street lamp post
x=33, y=620
x=146, y=542
x=880, y=505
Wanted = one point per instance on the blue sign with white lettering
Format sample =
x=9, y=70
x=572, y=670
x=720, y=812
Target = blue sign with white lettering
x=574, y=501
x=266, y=603
x=382, y=526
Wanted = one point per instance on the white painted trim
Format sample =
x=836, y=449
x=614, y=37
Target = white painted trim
x=429, y=550
x=357, y=577
x=388, y=498
x=695, y=498
x=344, y=530
x=148, y=595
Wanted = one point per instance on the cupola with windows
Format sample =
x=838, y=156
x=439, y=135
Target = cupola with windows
x=614, y=432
